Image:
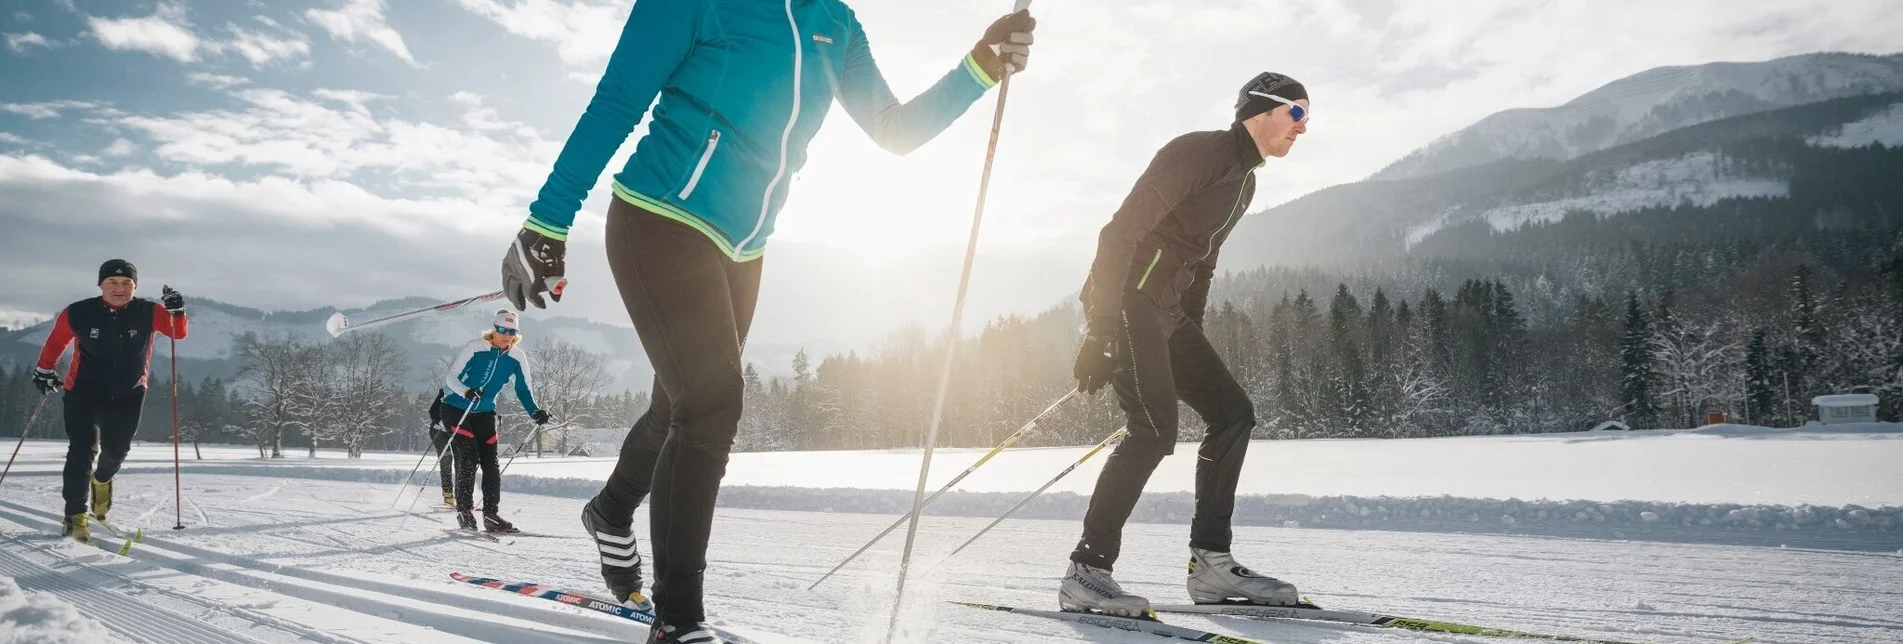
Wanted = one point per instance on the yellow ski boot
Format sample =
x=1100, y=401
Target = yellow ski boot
x=102, y=499
x=75, y=527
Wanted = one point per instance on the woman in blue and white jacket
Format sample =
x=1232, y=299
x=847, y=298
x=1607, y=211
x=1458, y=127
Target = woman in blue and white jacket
x=742, y=88
x=476, y=377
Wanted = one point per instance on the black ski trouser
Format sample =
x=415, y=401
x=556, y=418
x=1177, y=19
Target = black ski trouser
x=99, y=426
x=474, y=443
x=1162, y=357
x=691, y=306
x=445, y=468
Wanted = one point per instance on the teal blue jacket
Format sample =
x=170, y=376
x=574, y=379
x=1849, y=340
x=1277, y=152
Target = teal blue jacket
x=743, y=86
x=480, y=365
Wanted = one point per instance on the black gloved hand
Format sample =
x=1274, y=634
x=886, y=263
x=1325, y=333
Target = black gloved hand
x=534, y=265
x=474, y=394
x=1006, y=42
x=173, y=302
x=1096, y=359
x=541, y=416
x=46, y=380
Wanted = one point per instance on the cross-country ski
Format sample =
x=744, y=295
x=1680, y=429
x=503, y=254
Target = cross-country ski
x=890, y=322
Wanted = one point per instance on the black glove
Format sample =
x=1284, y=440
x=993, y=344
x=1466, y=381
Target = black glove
x=535, y=264
x=173, y=302
x=1006, y=42
x=474, y=394
x=541, y=416
x=46, y=380
x=1096, y=359
x=436, y=411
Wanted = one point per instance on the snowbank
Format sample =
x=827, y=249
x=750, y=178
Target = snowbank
x=41, y=618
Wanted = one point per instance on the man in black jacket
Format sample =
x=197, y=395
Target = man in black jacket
x=1143, y=305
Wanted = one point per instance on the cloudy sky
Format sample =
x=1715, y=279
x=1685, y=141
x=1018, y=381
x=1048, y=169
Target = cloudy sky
x=298, y=154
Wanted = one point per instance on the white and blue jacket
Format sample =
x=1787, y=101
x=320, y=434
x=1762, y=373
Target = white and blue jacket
x=480, y=365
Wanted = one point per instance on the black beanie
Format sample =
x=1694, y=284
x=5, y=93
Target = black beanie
x=118, y=268
x=1248, y=105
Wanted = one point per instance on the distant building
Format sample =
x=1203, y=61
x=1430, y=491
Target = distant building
x=1846, y=408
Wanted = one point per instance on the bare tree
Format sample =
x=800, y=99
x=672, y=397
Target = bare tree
x=362, y=390
x=566, y=379
x=281, y=372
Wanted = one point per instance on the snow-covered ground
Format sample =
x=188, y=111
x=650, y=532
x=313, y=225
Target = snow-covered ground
x=314, y=550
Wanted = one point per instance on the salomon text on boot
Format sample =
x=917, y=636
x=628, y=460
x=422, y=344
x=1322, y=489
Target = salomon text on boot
x=1088, y=589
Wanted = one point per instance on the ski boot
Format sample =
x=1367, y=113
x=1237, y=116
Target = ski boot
x=1216, y=578
x=699, y=633
x=449, y=499
x=1089, y=589
x=620, y=558
x=102, y=498
x=466, y=520
x=75, y=527
x=492, y=522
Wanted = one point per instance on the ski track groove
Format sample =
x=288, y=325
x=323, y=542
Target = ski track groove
x=114, y=610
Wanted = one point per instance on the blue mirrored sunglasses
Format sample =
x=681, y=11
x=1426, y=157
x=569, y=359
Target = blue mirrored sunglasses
x=1295, y=110
x=505, y=331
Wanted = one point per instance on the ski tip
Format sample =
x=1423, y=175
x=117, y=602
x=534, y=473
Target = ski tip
x=335, y=325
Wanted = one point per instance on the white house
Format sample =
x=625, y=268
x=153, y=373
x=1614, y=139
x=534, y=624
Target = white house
x=1846, y=408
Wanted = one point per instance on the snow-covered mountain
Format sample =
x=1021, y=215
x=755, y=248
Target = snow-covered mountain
x=1752, y=156
x=1649, y=103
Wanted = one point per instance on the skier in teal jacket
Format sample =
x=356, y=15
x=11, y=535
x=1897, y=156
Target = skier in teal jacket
x=743, y=86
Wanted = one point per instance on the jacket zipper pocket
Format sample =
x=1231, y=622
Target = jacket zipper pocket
x=1152, y=267
x=713, y=141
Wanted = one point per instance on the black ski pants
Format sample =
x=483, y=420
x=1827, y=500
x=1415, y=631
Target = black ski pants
x=691, y=306
x=474, y=443
x=1161, y=357
x=439, y=439
x=97, y=425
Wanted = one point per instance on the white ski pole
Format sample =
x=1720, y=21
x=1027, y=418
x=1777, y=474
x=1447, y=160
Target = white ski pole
x=951, y=342
x=1028, y=429
x=1120, y=433
x=338, y=324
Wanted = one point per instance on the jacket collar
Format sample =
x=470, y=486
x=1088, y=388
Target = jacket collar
x=1247, y=153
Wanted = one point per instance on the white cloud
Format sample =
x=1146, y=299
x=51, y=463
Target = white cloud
x=165, y=33
x=355, y=19
x=261, y=49
x=120, y=148
x=216, y=81
x=46, y=109
x=584, y=32
x=9, y=137
x=22, y=43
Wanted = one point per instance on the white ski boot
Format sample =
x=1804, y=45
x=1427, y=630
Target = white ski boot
x=1216, y=578
x=1088, y=589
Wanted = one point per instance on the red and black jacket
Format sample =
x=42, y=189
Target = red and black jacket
x=114, y=352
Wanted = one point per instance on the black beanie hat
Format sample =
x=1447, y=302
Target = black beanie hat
x=1248, y=105
x=118, y=268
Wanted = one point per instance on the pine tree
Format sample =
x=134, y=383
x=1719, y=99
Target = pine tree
x=1760, y=390
x=1635, y=359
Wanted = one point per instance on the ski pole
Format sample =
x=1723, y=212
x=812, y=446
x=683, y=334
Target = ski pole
x=1026, y=430
x=338, y=324
x=518, y=449
x=405, y=483
x=951, y=340
x=1120, y=433
x=178, y=488
x=23, y=429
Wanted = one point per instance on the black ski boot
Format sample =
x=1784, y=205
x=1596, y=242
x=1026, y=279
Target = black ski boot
x=492, y=522
x=466, y=520
x=620, y=558
x=699, y=633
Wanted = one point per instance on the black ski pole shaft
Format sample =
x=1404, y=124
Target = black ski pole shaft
x=951, y=343
x=23, y=429
x=1026, y=430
